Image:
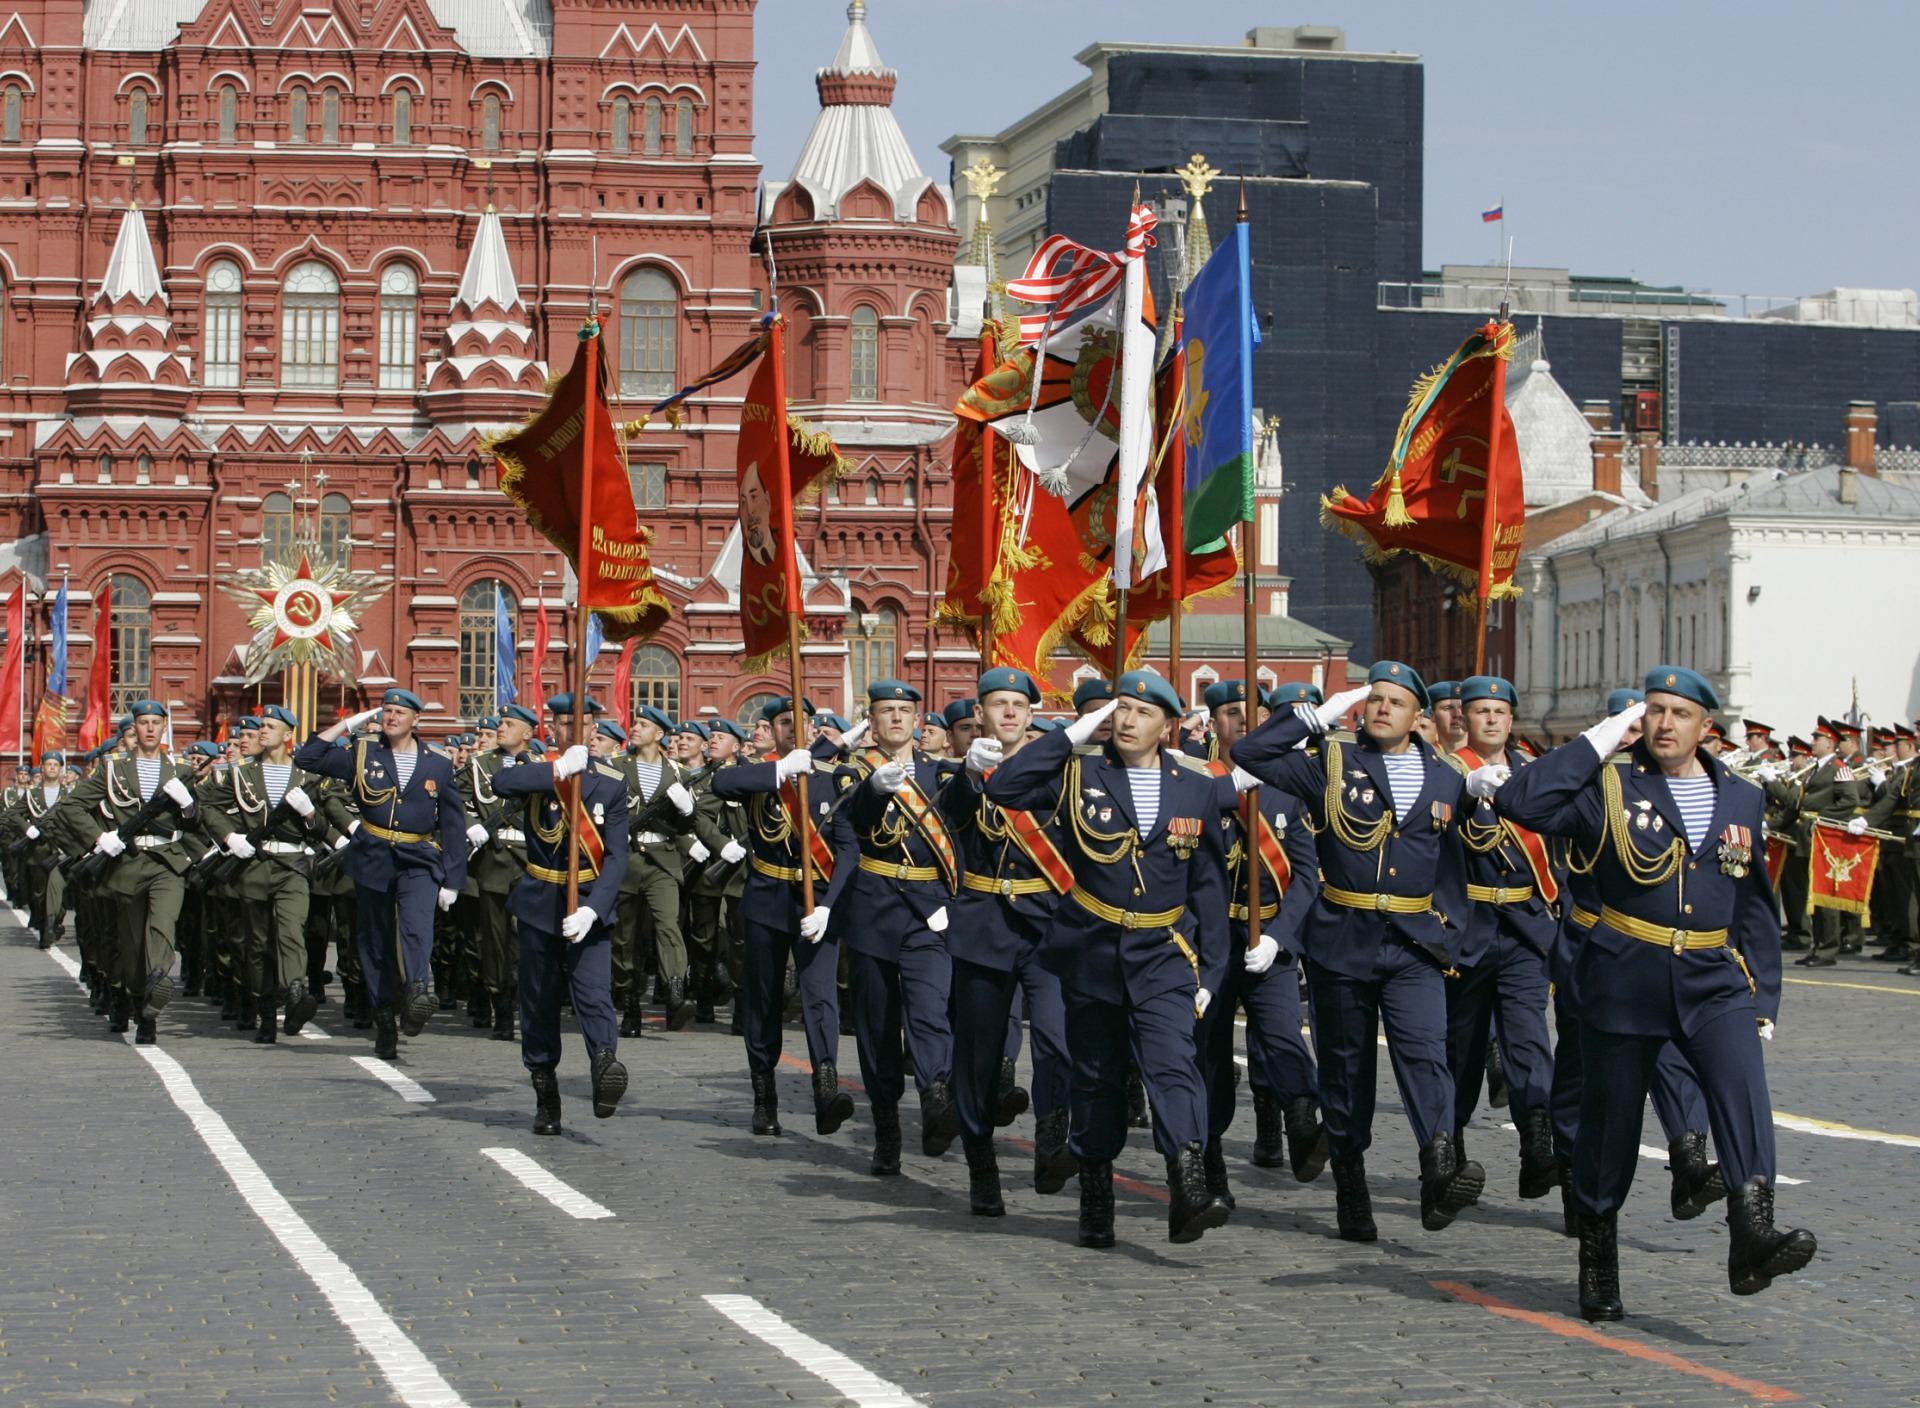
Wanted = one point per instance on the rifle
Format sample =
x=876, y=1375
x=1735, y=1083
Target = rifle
x=89, y=866
x=223, y=867
x=656, y=815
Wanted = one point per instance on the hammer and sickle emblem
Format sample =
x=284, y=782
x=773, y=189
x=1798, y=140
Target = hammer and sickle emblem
x=303, y=609
x=1452, y=467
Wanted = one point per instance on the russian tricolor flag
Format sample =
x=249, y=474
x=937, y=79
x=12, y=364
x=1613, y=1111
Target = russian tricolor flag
x=1499, y=212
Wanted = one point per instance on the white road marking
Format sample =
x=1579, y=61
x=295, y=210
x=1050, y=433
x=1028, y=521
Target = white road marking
x=1647, y=1151
x=72, y=965
x=569, y=1200
x=407, y=1089
x=1802, y=1125
x=313, y=1033
x=865, y=1389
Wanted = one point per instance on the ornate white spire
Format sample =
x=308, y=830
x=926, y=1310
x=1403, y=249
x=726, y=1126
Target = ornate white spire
x=133, y=363
x=489, y=274
x=486, y=370
x=857, y=54
x=132, y=272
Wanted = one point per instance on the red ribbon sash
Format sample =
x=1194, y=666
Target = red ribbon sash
x=1532, y=847
x=592, y=845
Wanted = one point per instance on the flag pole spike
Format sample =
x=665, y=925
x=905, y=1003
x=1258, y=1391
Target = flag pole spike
x=1240, y=216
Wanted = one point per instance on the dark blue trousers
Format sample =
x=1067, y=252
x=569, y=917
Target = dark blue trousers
x=1725, y=1052
x=983, y=998
x=1510, y=981
x=763, y=993
x=1278, y=1063
x=551, y=968
x=409, y=905
x=1408, y=996
x=1678, y=1101
x=911, y=994
x=1160, y=1034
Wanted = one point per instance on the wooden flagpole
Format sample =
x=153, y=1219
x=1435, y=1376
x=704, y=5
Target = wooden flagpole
x=584, y=575
x=1250, y=690
x=795, y=597
x=989, y=514
x=1489, y=526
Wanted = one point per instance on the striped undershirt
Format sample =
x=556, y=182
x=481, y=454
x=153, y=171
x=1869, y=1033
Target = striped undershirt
x=278, y=775
x=403, y=767
x=1694, y=796
x=649, y=775
x=1406, y=774
x=1145, y=785
x=148, y=771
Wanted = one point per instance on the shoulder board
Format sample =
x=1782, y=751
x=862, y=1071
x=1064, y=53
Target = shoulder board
x=1191, y=763
x=1453, y=762
x=819, y=766
x=605, y=771
x=1086, y=750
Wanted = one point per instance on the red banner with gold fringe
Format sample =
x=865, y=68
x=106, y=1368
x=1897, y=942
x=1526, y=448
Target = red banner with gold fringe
x=1841, y=872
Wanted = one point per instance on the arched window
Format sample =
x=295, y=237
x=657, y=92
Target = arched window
x=490, y=123
x=297, y=115
x=622, y=125
x=276, y=528
x=683, y=127
x=866, y=355
x=137, y=118
x=907, y=492
x=649, y=325
x=399, y=327
x=229, y=112
x=143, y=469
x=656, y=679
x=873, y=496
x=750, y=708
x=874, y=648
x=653, y=127
x=105, y=474
x=10, y=131
x=222, y=361
x=336, y=528
x=330, y=116
x=310, y=327
x=402, y=118
x=479, y=605
x=130, y=631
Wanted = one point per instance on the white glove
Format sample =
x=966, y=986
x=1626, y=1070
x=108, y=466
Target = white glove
x=578, y=925
x=1607, y=735
x=1766, y=1030
x=852, y=737
x=574, y=760
x=793, y=764
x=1857, y=826
x=1085, y=727
x=476, y=835
x=681, y=798
x=733, y=853
x=341, y=843
x=1260, y=957
x=814, y=927
x=33, y=833
x=177, y=790
x=447, y=897
x=1244, y=781
x=299, y=801
x=697, y=853
x=1201, y=1000
x=1484, y=781
x=362, y=719
x=353, y=826
x=239, y=846
x=890, y=778
x=110, y=843
x=983, y=756
x=1321, y=717
x=1768, y=772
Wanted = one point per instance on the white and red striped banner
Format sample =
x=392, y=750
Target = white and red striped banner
x=1089, y=277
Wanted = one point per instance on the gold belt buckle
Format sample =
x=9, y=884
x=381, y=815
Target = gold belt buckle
x=1382, y=903
x=1679, y=940
x=1126, y=919
x=901, y=873
x=1006, y=888
x=1500, y=895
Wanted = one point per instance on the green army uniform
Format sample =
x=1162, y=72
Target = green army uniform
x=333, y=908
x=1897, y=809
x=651, y=890
x=492, y=873
x=1836, y=791
x=33, y=877
x=716, y=932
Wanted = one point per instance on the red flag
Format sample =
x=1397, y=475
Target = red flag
x=974, y=580
x=94, y=727
x=536, y=686
x=50, y=725
x=623, y=686
x=1453, y=456
x=542, y=468
x=1841, y=871
x=11, y=704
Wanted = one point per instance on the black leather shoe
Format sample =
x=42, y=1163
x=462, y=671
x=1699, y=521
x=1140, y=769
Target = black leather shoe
x=703, y=1013
x=1697, y=1184
x=1214, y=1162
x=269, y=1031
x=546, y=1097
x=886, y=1142
x=1353, y=1208
x=417, y=1007
x=832, y=1106
x=480, y=1010
x=1191, y=1209
x=1447, y=1183
x=1053, y=1161
x=1757, y=1252
x=249, y=1013
x=609, y=1084
x=766, y=1104
x=1539, y=1169
x=1307, y=1146
x=1268, y=1126
x=119, y=1012
x=1096, y=1203
x=983, y=1176
x=630, y=1018
x=1569, y=1222
x=1498, y=1091
x=386, y=1034
x=505, y=1009
x=939, y=1120
x=301, y=1005
x=146, y=1032
x=1599, y=1268
x=679, y=1006
x=1013, y=1098
x=229, y=1001
x=159, y=993
x=1137, y=1113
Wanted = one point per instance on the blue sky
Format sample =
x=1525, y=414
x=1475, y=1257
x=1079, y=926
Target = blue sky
x=1757, y=147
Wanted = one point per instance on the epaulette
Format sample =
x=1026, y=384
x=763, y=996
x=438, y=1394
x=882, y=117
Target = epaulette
x=1453, y=761
x=1191, y=763
x=1344, y=737
x=611, y=772
x=1089, y=749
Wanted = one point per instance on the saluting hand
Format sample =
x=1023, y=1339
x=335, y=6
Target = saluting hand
x=1484, y=781
x=1086, y=726
x=1322, y=717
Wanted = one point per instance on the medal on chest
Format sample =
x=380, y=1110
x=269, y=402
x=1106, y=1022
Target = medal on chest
x=1442, y=815
x=1736, y=851
x=1183, y=834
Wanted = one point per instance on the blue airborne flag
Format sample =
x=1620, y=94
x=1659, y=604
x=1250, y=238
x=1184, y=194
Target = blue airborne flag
x=504, y=661
x=57, y=643
x=1218, y=335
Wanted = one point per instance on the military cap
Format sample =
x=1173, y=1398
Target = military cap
x=536, y=746
x=1224, y=692
x=882, y=690
x=1146, y=687
x=405, y=698
x=52, y=757
x=1842, y=727
x=489, y=721
x=148, y=708
x=1044, y=725
x=697, y=729
x=1484, y=687
x=1715, y=731
x=1823, y=728
x=520, y=712
x=612, y=730
x=1393, y=672
x=280, y=714
x=1623, y=699
x=1091, y=692
x=774, y=708
x=1902, y=731
x=561, y=705
x=126, y=722
x=1798, y=746
x=1687, y=684
x=654, y=717
x=1006, y=677
x=729, y=727
x=1756, y=729
x=205, y=748
x=1444, y=690
x=832, y=721
x=1282, y=695
x=957, y=710
x=932, y=720
x=247, y=721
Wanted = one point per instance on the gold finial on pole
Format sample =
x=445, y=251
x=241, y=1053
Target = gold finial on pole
x=1198, y=175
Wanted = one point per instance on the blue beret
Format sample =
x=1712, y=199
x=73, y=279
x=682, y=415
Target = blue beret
x=1393, y=672
x=561, y=705
x=247, y=721
x=1688, y=684
x=697, y=729
x=406, y=698
x=54, y=757
x=1145, y=686
x=729, y=727
x=534, y=745
x=832, y=721
x=1623, y=699
x=522, y=713
x=488, y=722
x=1282, y=695
x=126, y=722
x=1005, y=677
x=881, y=690
x=280, y=714
x=1444, y=690
x=612, y=730
x=1044, y=725
x=957, y=710
x=774, y=708
x=931, y=720
x=148, y=708
x=205, y=748
x=653, y=716
x=1485, y=687
x=1091, y=692
x=1225, y=692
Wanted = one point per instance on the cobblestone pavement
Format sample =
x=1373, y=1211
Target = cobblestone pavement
x=140, y=1268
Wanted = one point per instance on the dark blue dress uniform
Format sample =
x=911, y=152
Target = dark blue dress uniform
x=411, y=843
x=549, y=961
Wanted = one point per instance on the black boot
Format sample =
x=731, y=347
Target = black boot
x=983, y=1176
x=679, y=1005
x=158, y=993
x=269, y=1031
x=1352, y=1207
x=1569, y=1221
x=101, y=997
x=386, y=1034
x=703, y=1012
x=1191, y=1208
x=1497, y=1090
x=1307, y=1146
x=480, y=1009
x=939, y=1120
x=546, y=1102
x=505, y=1009
x=249, y=1012
x=1096, y=1203
x=1137, y=1116
x=886, y=1142
x=1268, y=1123
x=609, y=1084
x=1757, y=1252
x=1053, y=1161
x=190, y=975
x=1214, y=1162
x=119, y=1012
x=630, y=1017
x=1013, y=1098
x=766, y=1104
x=146, y=1032
x=1599, y=1268
x=832, y=1106
x=1697, y=1184
x=1539, y=1169
x=301, y=1005
x=1447, y=1184
x=360, y=1006
x=417, y=1005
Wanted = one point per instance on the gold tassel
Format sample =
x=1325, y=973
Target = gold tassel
x=675, y=416
x=1396, y=515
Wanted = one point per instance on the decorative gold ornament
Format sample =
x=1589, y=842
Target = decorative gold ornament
x=1198, y=175
x=301, y=614
x=983, y=178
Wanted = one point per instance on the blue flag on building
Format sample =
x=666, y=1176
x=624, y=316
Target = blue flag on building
x=57, y=643
x=596, y=638
x=1218, y=335
x=504, y=689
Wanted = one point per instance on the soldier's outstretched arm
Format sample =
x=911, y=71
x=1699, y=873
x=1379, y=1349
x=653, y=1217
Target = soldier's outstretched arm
x=323, y=758
x=1553, y=794
x=1027, y=780
x=1273, y=754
